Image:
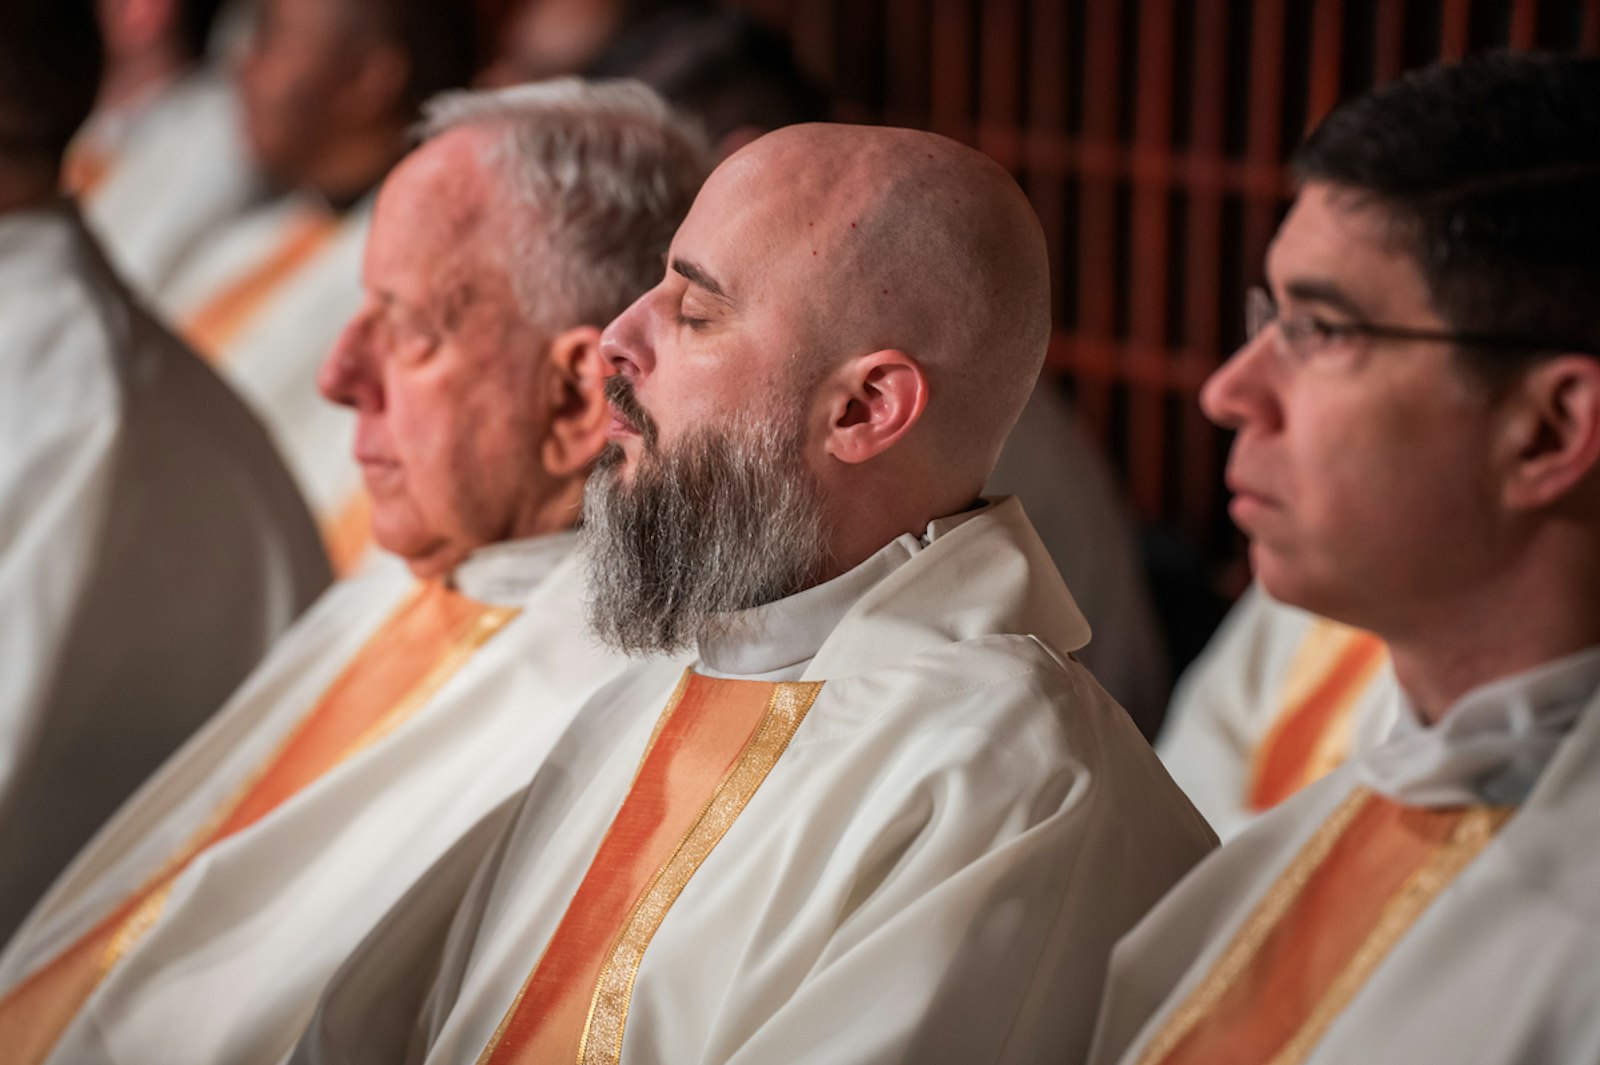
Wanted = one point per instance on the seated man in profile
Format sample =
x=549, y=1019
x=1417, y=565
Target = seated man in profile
x=886, y=816
x=201, y=923
x=152, y=545
x=1418, y=455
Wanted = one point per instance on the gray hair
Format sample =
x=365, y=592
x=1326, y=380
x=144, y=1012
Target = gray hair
x=598, y=176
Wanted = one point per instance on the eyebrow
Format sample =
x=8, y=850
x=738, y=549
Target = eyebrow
x=697, y=275
x=1326, y=293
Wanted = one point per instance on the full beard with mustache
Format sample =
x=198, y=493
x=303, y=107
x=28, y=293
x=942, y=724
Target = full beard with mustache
x=727, y=519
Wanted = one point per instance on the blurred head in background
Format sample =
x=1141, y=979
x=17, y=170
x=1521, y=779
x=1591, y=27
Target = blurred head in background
x=51, y=60
x=148, y=43
x=329, y=88
x=527, y=220
x=541, y=39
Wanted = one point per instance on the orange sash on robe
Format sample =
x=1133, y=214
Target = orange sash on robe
x=1332, y=917
x=1312, y=735
x=417, y=650
x=219, y=321
x=716, y=742
x=86, y=168
x=348, y=535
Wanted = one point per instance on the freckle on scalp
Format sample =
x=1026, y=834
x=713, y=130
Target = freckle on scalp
x=852, y=225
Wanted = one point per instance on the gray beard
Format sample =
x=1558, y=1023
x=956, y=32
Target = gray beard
x=725, y=521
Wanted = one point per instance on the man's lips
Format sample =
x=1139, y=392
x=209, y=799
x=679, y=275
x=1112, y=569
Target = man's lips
x=1248, y=501
x=619, y=427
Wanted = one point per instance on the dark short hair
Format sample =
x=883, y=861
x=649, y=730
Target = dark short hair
x=51, y=60
x=1489, y=172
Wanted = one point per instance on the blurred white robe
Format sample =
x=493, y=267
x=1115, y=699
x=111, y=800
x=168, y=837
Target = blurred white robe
x=933, y=870
x=1074, y=503
x=255, y=925
x=152, y=546
x=173, y=171
x=1260, y=668
x=1499, y=967
x=283, y=329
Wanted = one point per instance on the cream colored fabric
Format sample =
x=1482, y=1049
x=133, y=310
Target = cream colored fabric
x=933, y=871
x=178, y=173
x=255, y=926
x=273, y=358
x=1074, y=503
x=151, y=546
x=1501, y=967
x=1231, y=697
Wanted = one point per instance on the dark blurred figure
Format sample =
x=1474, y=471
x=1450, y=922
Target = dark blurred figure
x=330, y=90
x=151, y=543
x=729, y=70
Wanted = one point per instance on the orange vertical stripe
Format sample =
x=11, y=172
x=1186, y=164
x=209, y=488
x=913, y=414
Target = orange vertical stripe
x=416, y=650
x=1331, y=918
x=219, y=321
x=704, y=737
x=1294, y=753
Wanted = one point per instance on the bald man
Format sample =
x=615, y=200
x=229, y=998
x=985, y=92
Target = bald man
x=885, y=816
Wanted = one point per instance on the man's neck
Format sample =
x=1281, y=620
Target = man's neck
x=1505, y=627
x=356, y=166
x=138, y=78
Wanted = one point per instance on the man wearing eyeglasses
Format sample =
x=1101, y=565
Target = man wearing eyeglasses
x=1418, y=454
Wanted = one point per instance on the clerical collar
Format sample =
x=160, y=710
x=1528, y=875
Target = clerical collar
x=776, y=641
x=505, y=574
x=1492, y=745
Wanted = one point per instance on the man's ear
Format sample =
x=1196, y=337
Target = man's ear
x=1553, y=431
x=576, y=402
x=872, y=401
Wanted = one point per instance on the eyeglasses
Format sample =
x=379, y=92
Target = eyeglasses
x=1306, y=336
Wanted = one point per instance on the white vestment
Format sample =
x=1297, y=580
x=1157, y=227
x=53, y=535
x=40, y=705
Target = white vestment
x=1238, y=691
x=933, y=870
x=273, y=356
x=1499, y=968
x=176, y=172
x=1074, y=503
x=152, y=546
x=258, y=921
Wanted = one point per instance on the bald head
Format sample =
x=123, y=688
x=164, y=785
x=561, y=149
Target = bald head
x=921, y=245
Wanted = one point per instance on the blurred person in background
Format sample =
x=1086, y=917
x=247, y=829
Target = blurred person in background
x=161, y=161
x=739, y=78
x=329, y=90
x=540, y=39
x=200, y=926
x=1279, y=699
x=152, y=544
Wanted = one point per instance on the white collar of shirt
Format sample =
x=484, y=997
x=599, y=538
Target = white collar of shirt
x=776, y=641
x=505, y=574
x=1492, y=745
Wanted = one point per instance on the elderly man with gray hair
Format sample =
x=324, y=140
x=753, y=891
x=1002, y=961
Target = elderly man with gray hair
x=202, y=922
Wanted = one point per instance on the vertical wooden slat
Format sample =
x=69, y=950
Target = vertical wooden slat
x=1327, y=54
x=906, y=54
x=1524, y=30
x=1388, y=40
x=951, y=69
x=1589, y=34
x=1455, y=28
x=1262, y=136
x=811, y=26
x=1202, y=333
x=1000, y=50
x=1152, y=133
x=1097, y=204
x=1047, y=112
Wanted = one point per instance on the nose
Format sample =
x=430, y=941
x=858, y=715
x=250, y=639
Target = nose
x=1243, y=390
x=349, y=375
x=624, y=345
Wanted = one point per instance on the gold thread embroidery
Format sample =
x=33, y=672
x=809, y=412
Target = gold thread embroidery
x=1247, y=941
x=522, y=992
x=608, y=1012
x=1468, y=838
